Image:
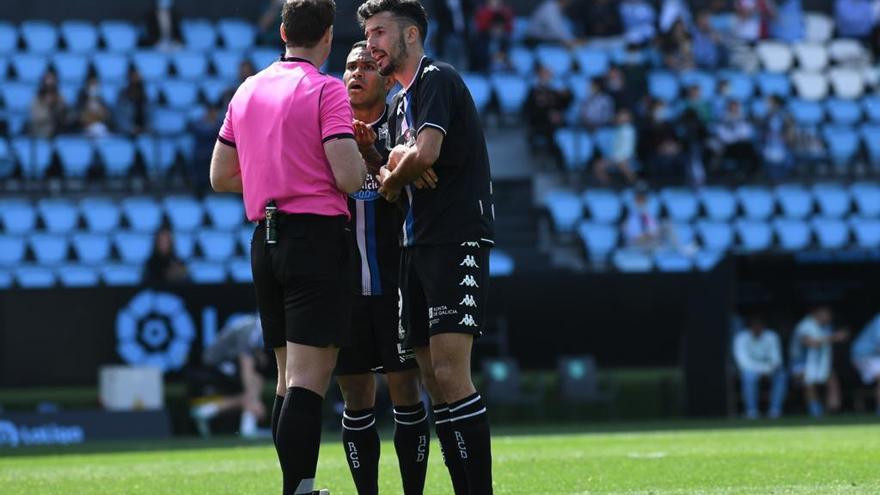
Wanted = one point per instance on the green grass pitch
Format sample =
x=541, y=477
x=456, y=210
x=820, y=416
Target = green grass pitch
x=769, y=459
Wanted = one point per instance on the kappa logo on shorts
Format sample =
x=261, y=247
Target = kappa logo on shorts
x=469, y=281
x=469, y=261
x=468, y=321
x=468, y=301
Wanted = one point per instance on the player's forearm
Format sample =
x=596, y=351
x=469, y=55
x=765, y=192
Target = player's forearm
x=372, y=158
x=410, y=167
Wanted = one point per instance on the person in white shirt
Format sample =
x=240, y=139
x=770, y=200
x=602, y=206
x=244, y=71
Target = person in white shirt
x=810, y=354
x=758, y=355
x=549, y=24
x=865, y=353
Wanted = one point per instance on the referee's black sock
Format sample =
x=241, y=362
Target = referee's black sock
x=361, y=442
x=412, y=437
x=298, y=439
x=470, y=427
x=276, y=413
x=443, y=427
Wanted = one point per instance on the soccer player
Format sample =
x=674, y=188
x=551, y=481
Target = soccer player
x=377, y=336
x=447, y=231
x=811, y=355
x=865, y=353
x=288, y=144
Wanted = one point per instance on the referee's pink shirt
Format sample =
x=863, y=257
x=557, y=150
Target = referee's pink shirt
x=278, y=121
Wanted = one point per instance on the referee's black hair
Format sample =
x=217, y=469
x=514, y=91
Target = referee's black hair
x=306, y=21
x=412, y=11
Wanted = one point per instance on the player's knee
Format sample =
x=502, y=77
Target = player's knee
x=448, y=376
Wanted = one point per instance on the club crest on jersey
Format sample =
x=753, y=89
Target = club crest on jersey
x=369, y=191
x=382, y=135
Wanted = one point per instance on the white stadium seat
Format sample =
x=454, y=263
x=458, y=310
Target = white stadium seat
x=811, y=56
x=810, y=85
x=775, y=56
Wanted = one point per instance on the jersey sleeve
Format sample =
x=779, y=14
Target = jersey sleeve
x=437, y=92
x=227, y=130
x=336, y=113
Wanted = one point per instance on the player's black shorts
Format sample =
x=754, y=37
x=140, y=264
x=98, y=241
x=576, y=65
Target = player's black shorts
x=444, y=290
x=303, y=282
x=376, y=338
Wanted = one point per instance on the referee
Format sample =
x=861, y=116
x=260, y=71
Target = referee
x=447, y=232
x=288, y=144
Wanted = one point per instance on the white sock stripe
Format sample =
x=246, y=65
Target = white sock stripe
x=409, y=423
x=361, y=418
x=349, y=428
x=441, y=421
x=458, y=418
x=420, y=411
x=456, y=408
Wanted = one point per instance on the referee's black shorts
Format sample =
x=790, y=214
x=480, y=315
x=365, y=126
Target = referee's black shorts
x=303, y=282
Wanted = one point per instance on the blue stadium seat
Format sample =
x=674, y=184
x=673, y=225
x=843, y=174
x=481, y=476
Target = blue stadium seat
x=179, y=94
x=603, y=205
x=565, y=209
x=18, y=216
x=522, y=59
x=71, y=67
x=871, y=106
x=663, y=86
x=683, y=234
x=867, y=198
x=672, y=261
x=12, y=249
x=30, y=67
x=592, y=62
x=110, y=67
x=704, y=80
x=119, y=36
x=576, y=146
x=833, y=199
x=511, y=91
x=133, y=247
x=206, y=272
x=198, y=34
x=190, y=65
x=76, y=154
x=70, y=92
x=213, y=90
x=501, y=264
x=579, y=85
x=60, y=216
x=867, y=231
x=117, y=155
x=91, y=248
x=756, y=202
x=240, y=270
x=842, y=143
x=831, y=233
x=77, y=276
x=771, y=83
x=555, y=58
x=118, y=275
x=226, y=63
x=632, y=261
x=795, y=201
x=846, y=112
x=680, y=203
x=707, y=259
x=604, y=139
x=8, y=37
x=79, y=36
x=8, y=165
x=480, y=90
x=152, y=64
x=184, y=212
x=599, y=238
x=18, y=96
x=34, y=277
x=520, y=28
x=34, y=156
x=158, y=154
x=184, y=245
x=793, y=235
x=806, y=112
x=49, y=249
x=142, y=214
x=629, y=200
x=261, y=58
x=216, y=245
x=741, y=85
x=4, y=67
x=237, y=34
x=715, y=236
x=754, y=235
x=757, y=109
x=245, y=235
x=870, y=134
x=102, y=215
x=6, y=280
x=39, y=36
x=225, y=211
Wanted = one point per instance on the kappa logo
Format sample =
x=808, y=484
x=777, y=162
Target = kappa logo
x=469, y=262
x=468, y=321
x=468, y=301
x=430, y=68
x=470, y=244
x=469, y=281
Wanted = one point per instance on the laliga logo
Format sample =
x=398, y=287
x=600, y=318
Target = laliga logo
x=155, y=329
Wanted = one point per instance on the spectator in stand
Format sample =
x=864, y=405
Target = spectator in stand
x=494, y=26
x=707, y=47
x=722, y=97
x=673, y=11
x=545, y=109
x=501, y=62
x=777, y=140
x=619, y=91
x=660, y=148
x=163, y=267
x=788, y=23
x=676, y=47
x=163, y=26
x=131, y=105
x=865, y=353
x=753, y=18
x=735, y=136
x=49, y=113
x=639, y=20
x=810, y=352
x=549, y=24
x=453, y=41
x=597, y=109
x=855, y=18
x=758, y=354
x=204, y=131
x=641, y=229
x=92, y=110
x=635, y=73
x=623, y=150
x=700, y=106
x=268, y=22
x=600, y=18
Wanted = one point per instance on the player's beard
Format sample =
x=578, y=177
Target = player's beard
x=399, y=58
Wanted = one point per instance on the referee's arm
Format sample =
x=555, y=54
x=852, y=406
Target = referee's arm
x=225, y=169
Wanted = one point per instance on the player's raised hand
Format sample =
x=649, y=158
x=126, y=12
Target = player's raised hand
x=363, y=134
